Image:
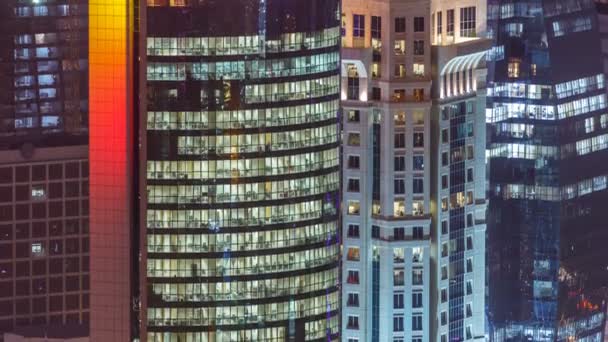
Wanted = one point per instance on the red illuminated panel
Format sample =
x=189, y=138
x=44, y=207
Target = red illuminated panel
x=110, y=169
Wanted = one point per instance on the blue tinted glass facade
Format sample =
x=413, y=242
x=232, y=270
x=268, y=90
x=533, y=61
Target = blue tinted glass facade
x=546, y=98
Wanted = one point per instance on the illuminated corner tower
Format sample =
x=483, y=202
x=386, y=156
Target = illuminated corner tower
x=241, y=166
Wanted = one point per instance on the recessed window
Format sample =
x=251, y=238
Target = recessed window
x=353, y=322
x=399, y=186
x=353, y=207
x=418, y=139
x=353, y=277
x=398, y=301
x=353, y=254
x=398, y=323
x=419, y=69
x=417, y=299
x=418, y=162
x=353, y=299
x=400, y=25
x=399, y=47
x=358, y=25
x=354, y=139
x=399, y=163
x=353, y=185
x=353, y=162
x=353, y=230
x=418, y=47
x=353, y=116
x=400, y=140
x=418, y=24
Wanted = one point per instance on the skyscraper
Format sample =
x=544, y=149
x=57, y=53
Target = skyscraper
x=386, y=81
x=458, y=166
x=240, y=147
x=44, y=237
x=547, y=172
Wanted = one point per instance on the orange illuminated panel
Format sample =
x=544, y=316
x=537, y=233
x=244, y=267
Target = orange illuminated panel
x=110, y=143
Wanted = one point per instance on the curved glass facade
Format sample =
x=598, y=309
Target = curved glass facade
x=242, y=170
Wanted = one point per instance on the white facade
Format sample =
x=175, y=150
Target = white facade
x=459, y=226
x=457, y=21
x=386, y=85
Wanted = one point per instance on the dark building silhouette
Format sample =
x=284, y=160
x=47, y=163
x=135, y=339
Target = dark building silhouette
x=44, y=238
x=547, y=150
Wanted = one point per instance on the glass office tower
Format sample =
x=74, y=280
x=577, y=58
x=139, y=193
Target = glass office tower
x=242, y=168
x=547, y=171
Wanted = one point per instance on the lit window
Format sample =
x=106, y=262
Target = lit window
x=353, y=207
x=399, y=47
x=38, y=192
x=353, y=254
x=36, y=249
x=513, y=69
x=419, y=69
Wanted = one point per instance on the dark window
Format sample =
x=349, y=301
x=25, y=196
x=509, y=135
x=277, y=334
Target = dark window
x=353, y=162
x=6, y=194
x=444, y=136
x=22, y=173
x=353, y=300
x=353, y=185
x=400, y=24
x=6, y=213
x=376, y=94
x=38, y=172
x=353, y=88
x=72, y=170
x=376, y=232
x=399, y=140
x=72, y=189
x=399, y=186
x=418, y=24
x=418, y=139
x=444, y=227
x=72, y=208
x=450, y=23
x=418, y=47
x=353, y=230
x=418, y=185
x=398, y=323
x=6, y=232
x=418, y=233
x=376, y=27
x=469, y=175
x=55, y=190
x=418, y=162
x=444, y=159
x=6, y=175
x=358, y=25
x=417, y=300
x=353, y=277
x=56, y=171
x=400, y=163
x=398, y=301
x=399, y=234
x=353, y=322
